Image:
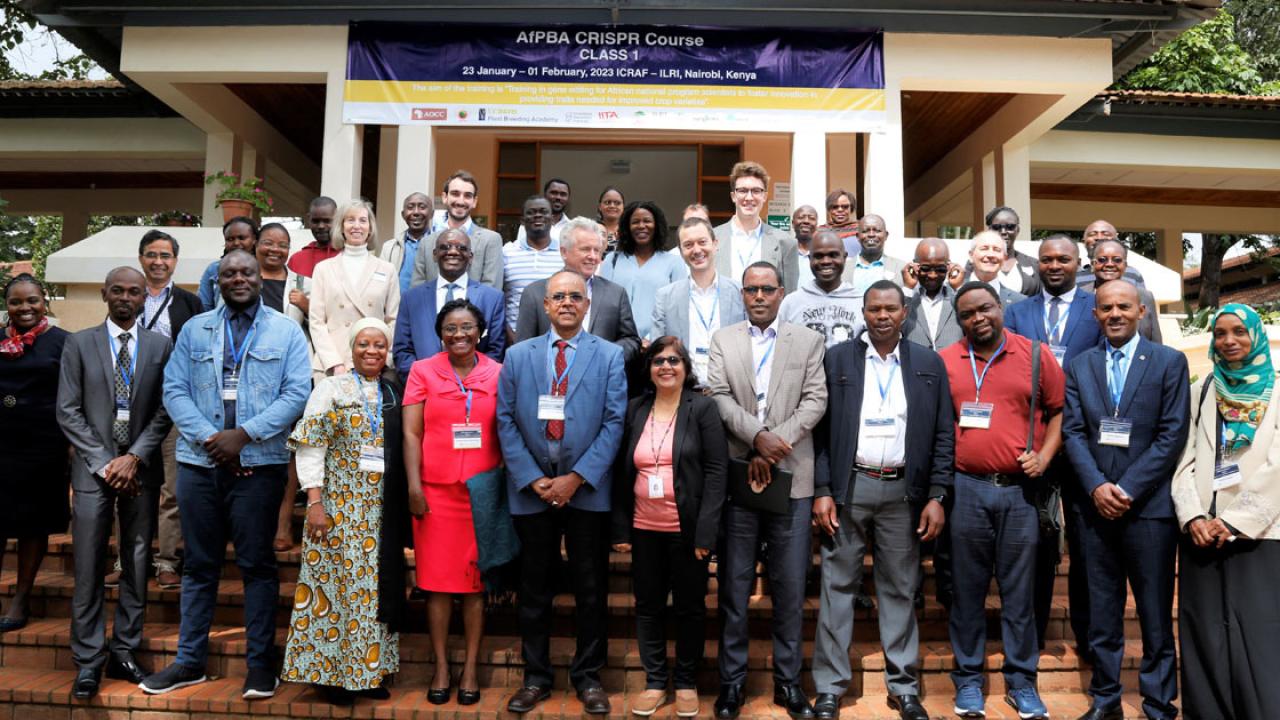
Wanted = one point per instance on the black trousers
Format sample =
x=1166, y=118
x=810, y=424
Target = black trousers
x=662, y=563
x=1049, y=555
x=1228, y=623
x=586, y=538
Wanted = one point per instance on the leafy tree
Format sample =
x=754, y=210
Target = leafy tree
x=18, y=26
x=1204, y=59
x=1258, y=33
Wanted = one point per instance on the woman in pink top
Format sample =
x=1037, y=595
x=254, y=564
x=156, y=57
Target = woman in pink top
x=451, y=435
x=669, y=492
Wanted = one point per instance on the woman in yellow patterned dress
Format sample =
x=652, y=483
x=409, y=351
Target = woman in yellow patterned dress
x=337, y=639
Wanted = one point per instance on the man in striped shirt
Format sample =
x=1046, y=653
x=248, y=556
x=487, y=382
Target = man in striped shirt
x=533, y=256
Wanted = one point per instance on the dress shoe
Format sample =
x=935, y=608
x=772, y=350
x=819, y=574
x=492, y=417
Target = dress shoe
x=340, y=697
x=729, y=702
x=595, y=701
x=126, y=668
x=908, y=707
x=439, y=696
x=87, y=682
x=862, y=601
x=168, y=579
x=1097, y=713
x=826, y=706
x=792, y=698
x=11, y=624
x=468, y=697
x=527, y=698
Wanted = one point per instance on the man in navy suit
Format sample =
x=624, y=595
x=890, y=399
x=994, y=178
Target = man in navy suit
x=1127, y=412
x=1061, y=316
x=562, y=398
x=416, y=324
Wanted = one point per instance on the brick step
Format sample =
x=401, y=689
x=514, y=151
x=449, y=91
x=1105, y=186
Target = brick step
x=52, y=593
x=45, y=693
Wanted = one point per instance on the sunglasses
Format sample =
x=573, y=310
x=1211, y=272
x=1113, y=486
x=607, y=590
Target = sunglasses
x=1004, y=227
x=672, y=360
x=759, y=289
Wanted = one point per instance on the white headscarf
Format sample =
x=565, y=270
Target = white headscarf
x=365, y=324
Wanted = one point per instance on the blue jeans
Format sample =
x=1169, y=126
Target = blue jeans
x=994, y=530
x=215, y=505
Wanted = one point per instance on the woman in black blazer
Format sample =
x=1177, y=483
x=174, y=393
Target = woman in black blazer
x=669, y=490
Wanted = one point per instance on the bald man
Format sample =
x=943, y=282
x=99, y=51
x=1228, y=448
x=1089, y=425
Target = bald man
x=931, y=318
x=1096, y=232
x=109, y=407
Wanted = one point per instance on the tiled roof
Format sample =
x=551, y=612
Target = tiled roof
x=1161, y=97
x=1235, y=262
x=61, y=85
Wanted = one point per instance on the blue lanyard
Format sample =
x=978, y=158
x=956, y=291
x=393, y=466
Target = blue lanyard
x=746, y=259
x=237, y=353
x=470, y=393
x=884, y=388
x=126, y=375
x=374, y=418
x=557, y=379
x=767, y=354
x=706, y=324
x=973, y=365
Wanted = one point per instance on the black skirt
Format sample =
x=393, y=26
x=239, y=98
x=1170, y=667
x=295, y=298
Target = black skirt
x=35, y=481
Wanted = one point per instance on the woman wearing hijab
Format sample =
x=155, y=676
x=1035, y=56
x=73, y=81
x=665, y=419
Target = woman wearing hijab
x=34, y=481
x=1227, y=496
x=343, y=633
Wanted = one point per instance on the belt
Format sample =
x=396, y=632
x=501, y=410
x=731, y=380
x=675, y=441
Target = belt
x=1001, y=479
x=879, y=473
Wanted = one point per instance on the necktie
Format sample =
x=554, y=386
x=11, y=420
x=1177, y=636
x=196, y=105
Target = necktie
x=1054, y=308
x=120, y=428
x=448, y=292
x=1117, y=378
x=555, y=428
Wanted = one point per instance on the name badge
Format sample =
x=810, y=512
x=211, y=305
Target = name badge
x=1059, y=353
x=379, y=275
x=122, y=414
x=1226, y=475
x=879, y=427
x=1115, y=432
x=701, y=351
x=976, y=415
x=371, y=459
x=230, y=386
x=655, y=487
x=550, y=407
x=701, y=364
x=466, y=436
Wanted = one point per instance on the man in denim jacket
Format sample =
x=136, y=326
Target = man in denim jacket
x=236, y=382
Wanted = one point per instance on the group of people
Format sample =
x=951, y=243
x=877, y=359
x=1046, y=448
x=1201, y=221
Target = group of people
x=491, y=404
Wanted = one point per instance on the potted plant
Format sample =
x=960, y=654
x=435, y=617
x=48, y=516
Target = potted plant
x=175, y=218
x=240, y=197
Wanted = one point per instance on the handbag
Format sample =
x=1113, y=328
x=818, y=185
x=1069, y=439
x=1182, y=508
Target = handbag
x=1048, y=494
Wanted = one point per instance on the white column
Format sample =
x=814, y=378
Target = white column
x=1017, y=186
x=343, y=143
x=883, y=184
x=252, y=162
x=809, y=171
x=387, y=204
x=415, y=165
x=219, y=154
x=988, y=185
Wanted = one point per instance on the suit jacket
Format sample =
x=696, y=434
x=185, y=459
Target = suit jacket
x=1149, y=325
x=700, y=458
x=931, y=432
x=339, y=300
x=776, y=247
x=610, y=315
x=1081, y=332
x=671, y=308
x=797, y=394
x=486, y=258
x=86, y=407
x=916, y=328
x=595, y=406
x=1155, y=398
x=1251, y=507
x=416, y=324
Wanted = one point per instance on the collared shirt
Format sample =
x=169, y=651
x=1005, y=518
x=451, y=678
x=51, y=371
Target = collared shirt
x=523, y=266
x=744, y=247
x=155, y=311
x=704, y=306
x=308, y=256
x=806, y=271
x=1011, y=279
x=865, y=274
x=932, y=307
x=440, y=221
x=240, y=322
x=883, y=374
x=1007, y=386
x=406, y=260
x=114, y=331
x=442, y=290
x=763, y=344
x=1064, y=309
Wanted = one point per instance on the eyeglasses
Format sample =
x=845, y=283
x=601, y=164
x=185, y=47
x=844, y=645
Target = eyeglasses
x=932, y=269
x=461, y=249
x=752, y=191
x=672, y=360
x=758, y=289
x=463, y=328
x=574, y=298
x=158, y=256
x=843, y=206
x=1108, y=260
x=1004, y=227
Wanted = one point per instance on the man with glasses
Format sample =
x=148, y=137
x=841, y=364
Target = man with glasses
x=766, y=377
x=931, y=318
x=459, y=196
x=1111, y=262
x=561, y=400
x=416, y=336
x=748, y=239
x=1096, y=232
x=842, y=217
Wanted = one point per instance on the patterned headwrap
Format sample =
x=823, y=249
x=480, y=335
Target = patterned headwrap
x=1243, y=388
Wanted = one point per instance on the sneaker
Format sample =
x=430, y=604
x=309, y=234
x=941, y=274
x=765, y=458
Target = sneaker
x=113, y=578
x=648, y=702
x=687, y=703
x=172, y=678
x=260, y=684
x=167, y=577
x=1027, y=702
x=970, y=703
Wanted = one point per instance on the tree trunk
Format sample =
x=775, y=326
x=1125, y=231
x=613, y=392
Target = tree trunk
x=1212, y=249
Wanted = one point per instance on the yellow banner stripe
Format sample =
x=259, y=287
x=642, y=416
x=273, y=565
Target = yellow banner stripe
x=676, y=97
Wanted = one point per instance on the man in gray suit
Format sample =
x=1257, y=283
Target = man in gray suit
x=871, y=264
x=608, y=317
x=931, y=318
x=1111, y=262
x=109, y=407
x=459, y=198
x=767, y=379
x=694, y=309
x=746, y=238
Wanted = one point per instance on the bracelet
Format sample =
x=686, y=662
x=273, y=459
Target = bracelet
x=314, y=502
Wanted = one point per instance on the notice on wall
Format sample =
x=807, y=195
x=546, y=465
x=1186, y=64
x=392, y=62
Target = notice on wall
x=628, y=76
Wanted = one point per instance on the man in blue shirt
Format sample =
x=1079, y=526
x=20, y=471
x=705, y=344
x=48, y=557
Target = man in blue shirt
x=238, y=379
